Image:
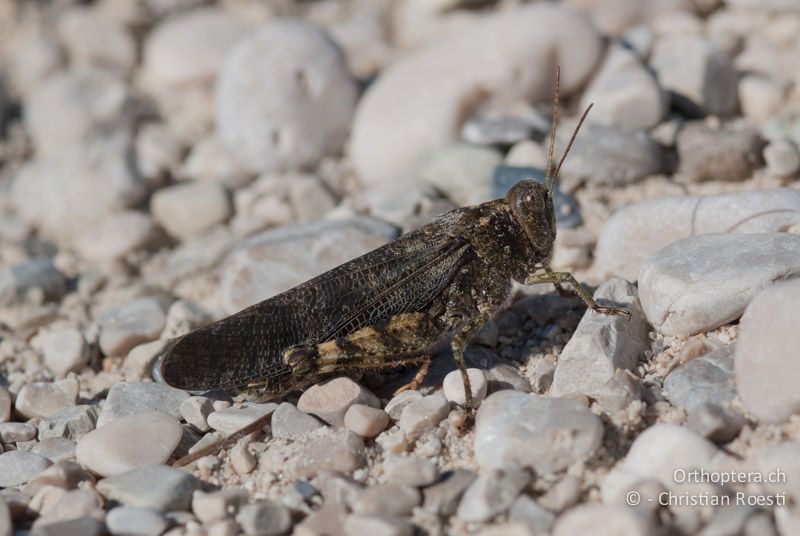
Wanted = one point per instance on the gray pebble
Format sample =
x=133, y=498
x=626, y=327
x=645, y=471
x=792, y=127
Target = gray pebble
x=17, y=467
x=500, y=131
x=376, y=525
x=84, y=526
x=530, y=513
x=232, y=419
x=190, y=209
x=132, y=521
x=410, y=470
x=154, y=486
x=398, y=403
x=128, y=325
x=716, y=423
x=131, y=398
x=264, y=518
x=71, y=423
x=442, y=498
x=337, y=488
x=723, y=154
x=11, y=432
x=117, y=236
x=55, y=449
x=65, y=350
x=507, y=377
x=16, y=282
x=782, y=158
x=619, y=392
x=217, y=505
x=492, y=493
x=195, y=411
x=330, y=400
x=288, y=422
x=336, y=449
x=604, y=520
x=387, y=498
x=423, y=415
x=513, y=427
x=65, y=474
x=460, y=170
x=706, y=379
x=42, y=399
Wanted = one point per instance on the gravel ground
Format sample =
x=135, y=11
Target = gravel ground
x=166, y=163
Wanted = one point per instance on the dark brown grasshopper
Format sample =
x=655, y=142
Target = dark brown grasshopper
x=389, y=307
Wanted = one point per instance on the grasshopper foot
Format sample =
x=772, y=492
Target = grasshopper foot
x=613, y=311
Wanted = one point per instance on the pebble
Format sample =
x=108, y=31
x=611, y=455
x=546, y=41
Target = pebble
x=210, y=160
x=602, y=343
x=94, y=40
x=530, y=513
x=498, y=131
x=410, y=471
x=216, y=505
x=65, y=474
x=609, y=155
x=42, y=399
x=319, y=523
x=701, y=282
x=153, y=486
x=715, y=423
x=708, y=379
x=508, y=377
x=604, y=521
x=6, y=523
x=423, y=415
x=624, y=92
x=190, y=209
x=366, y=421
x=132, y=398
x=65, y=350
x=701, y=75
x=400, y=121
x=129, y=442
x=443, y=497
x=17, y=467
x=55, y=449
x=11, y=432
x=781, y=458
x=242, y=459
x=656, y=454
x=85, y=526
x=70, y=191
x=117, y=236
x=330, y=400
x=5, y=404
x=36, y=56
x=618, y=392
x=760, y=97
x=264, y=518
x=387, y=498
x=336, y=487
x=158, y=153
x=398, y=403
x=527, y=430
x=453, y=387
x=233, y=419
x=36, y=275
x=140, y=359
x=284, y=97
x=70, y=423
x=131, y=521
x=782, y=158
x=376, y=525
x=460, y=170
x=335, y=449
x=766, y=364
x=196, y=409
x=276, y=260
x=717, y=154
x=637, y=231
x=492, y=493
x=288, y=422
x=130, y=324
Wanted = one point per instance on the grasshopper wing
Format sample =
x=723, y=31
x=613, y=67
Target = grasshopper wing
x=403, y=276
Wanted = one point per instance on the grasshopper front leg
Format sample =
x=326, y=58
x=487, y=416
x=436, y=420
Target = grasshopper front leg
x=565, y=277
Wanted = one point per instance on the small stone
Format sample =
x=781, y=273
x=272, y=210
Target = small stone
x=453, y=387
x=71, y=423
x=139, y=361
x=442, y=498
x=39, y=275
x=65, y=474
x=55, y=449
x=5, y=405
x=116, y=236
x=330, y=400
x=779, y=459
x=6, y=524
x=17, y=467
x=508, y=377
x=211, y=161
x=288, y=422
x=96, y=41
x=335, y=449
x=603, y=343
x=85, y=526
x=498, y=131
x=310, y=198
x=11, y=432
x=155, y=486
x=619, y=392
x=233, y=419
x=65, y=350
x=760, y=97
x=366, y=421
x=190, y=209
x=766, y=365
x=513, y=427
x=36, y=56
x=700, y=74
x=530, y=513
x=705, y=380
x=217, y=505
x=423, y=414
x=131, y=521
x=319, y=523
x=336, y=487
x=377, y=525
x=460, y=171
x=410, y=471
x=43, y=399
x=604, y=521
x=398, y=403
x=391, y=499
x=717, y=154
x=128, y=325
x=158, y=154
x=264, y=518
x=716, y=423
x=129, y=442
x=242, y=459
x=782, y=158
x=132, y=398
x=492, y=493
x=702, y=282
x=284, y=97
x=196, y=409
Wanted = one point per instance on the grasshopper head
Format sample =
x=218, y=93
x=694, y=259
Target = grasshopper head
x=532, y=205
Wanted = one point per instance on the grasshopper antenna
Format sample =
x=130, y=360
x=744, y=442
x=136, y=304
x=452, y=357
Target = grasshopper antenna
x=549, y=180
x=569, y=145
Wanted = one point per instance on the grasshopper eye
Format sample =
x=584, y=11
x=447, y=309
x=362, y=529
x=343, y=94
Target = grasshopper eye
x=534, y=202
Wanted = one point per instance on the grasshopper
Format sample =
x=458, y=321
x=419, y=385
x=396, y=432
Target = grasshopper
x=389, y=307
